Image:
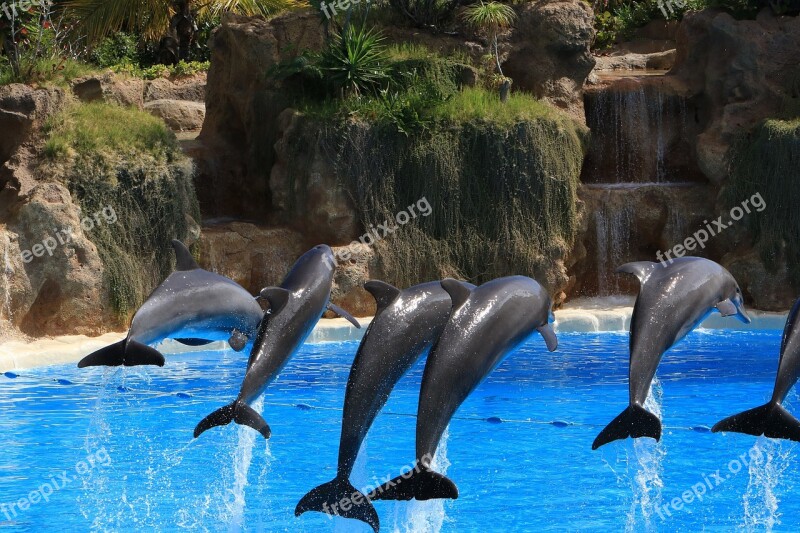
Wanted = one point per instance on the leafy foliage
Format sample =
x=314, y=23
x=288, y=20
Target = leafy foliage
x=425, y=13
x=150, y=18
x=355, y=61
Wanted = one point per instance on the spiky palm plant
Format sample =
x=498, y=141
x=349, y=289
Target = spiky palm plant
x=491, y=18
x=151, y=18
x=355, y=60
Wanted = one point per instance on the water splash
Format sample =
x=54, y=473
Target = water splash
x=242, y=458
x=428, y=516
x=648, y=465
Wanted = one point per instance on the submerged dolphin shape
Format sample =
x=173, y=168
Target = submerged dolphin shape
x=295, y=308
x=673, y=299
x=485, y=325
x=772, y=419
x=406, y=325
x=193, y=306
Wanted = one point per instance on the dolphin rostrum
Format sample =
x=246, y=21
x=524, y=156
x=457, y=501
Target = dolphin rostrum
x=193, y=306
x=406, y=325
x=673, y=299
x=772, y=419
x=485, y=325
x=294, y=309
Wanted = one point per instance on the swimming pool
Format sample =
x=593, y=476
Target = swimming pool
x=519, y=449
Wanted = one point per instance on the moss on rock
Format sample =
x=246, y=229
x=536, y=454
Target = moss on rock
x=126, y=160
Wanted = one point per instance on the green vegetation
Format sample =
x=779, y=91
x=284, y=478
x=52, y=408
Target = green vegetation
x=354, y=62
x=490, y=18
x=124, y=158
x=617, y=20
x=505, y=191
x=766, y=162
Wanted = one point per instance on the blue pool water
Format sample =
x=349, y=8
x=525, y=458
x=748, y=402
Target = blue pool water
x=129, y=434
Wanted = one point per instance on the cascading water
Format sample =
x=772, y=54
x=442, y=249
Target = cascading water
x=613, y=237
x=242, y=459
x=645, y=471
x=639, y=134
x=769, y=458
x=8, y=270
x=428, y=516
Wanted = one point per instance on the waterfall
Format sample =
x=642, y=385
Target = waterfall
x=646, y=482
x=8, y=270
x=640, y=134
x=428, y=516
x=613, y=234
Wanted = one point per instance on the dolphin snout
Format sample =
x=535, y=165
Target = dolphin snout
x=743, y=316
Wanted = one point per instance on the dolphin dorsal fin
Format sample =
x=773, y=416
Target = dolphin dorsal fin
x=276, y=296
x=640, y=269
x=183, y=257
x=383, y=293
x=458, y=291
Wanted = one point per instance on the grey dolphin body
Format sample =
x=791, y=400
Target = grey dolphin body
x=193, y=306
x=406, y=324
x=772, y=419
x=673, y=299
x=485, y=325
x=295, y=308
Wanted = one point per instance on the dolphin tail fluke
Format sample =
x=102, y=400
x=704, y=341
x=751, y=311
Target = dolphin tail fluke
x=770, y=420
x=421, y=483
x=330, y=497
x=238, y=412
x=125, y=352
x=635, y=422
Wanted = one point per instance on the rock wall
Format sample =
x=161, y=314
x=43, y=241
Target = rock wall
x=54, y=292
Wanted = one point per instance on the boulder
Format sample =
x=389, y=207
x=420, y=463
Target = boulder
x=111, y=88
x=744, y=70
x=192, y=88
x=179, y=115
x=548, y=51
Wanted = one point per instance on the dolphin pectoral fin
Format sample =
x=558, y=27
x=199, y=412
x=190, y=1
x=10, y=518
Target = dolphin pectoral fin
x=640, y=269
x=237, y=341
x=183, y=257
x=238, y=412
x=327, y=496
x=771, y=420
x=727, y=308
x=549, y=336
x=422, y=484
x=635, y=421
x=458, y=291
x=193, y=342
x=383, y=293
x=276, y=296
x=344, y=314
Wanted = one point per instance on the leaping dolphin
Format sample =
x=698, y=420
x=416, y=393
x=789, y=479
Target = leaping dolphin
x=772, y=419
x=673, y=299
x=406, y=325
x=485, y=325
x=193, y=306
x=295, y=308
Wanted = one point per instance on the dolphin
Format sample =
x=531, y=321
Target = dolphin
x=772, y=419
x=406, y=325
x=485, y=325
x=673, y=299
x=193, y=306
x=295, y=308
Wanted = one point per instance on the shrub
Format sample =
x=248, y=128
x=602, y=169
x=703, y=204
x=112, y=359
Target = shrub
x=355, y=61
